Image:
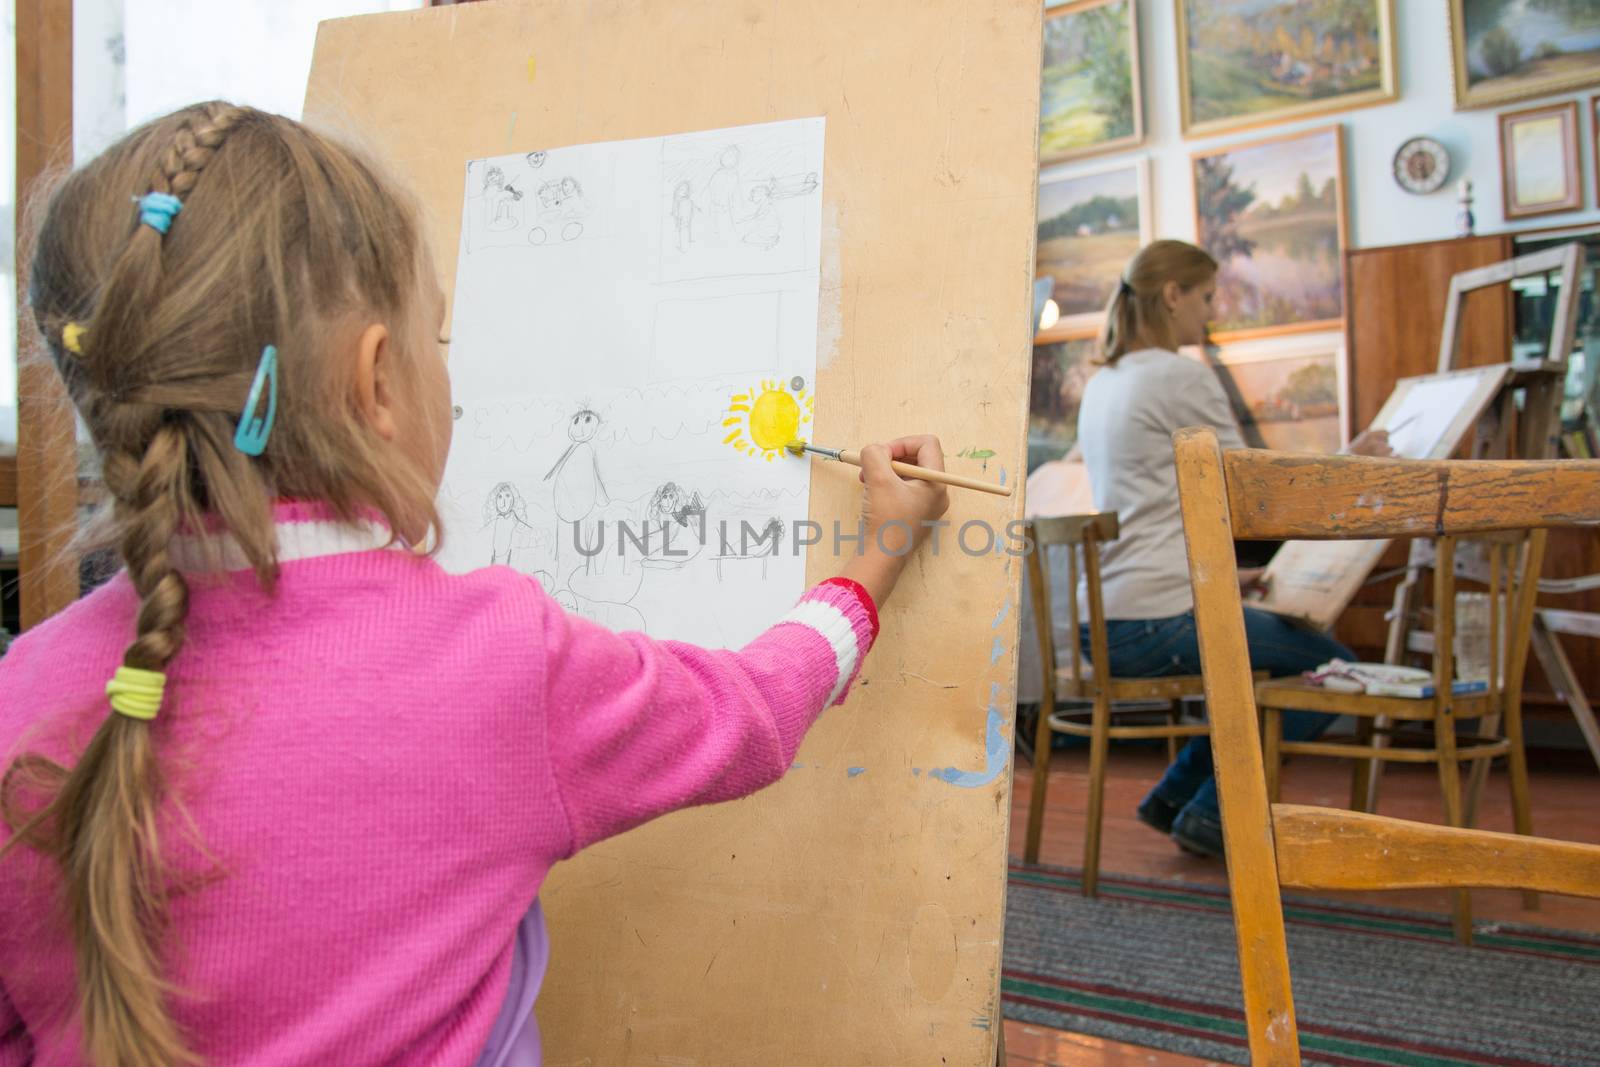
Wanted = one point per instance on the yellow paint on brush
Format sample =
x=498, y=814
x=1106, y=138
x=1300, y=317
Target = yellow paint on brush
x=771, y=416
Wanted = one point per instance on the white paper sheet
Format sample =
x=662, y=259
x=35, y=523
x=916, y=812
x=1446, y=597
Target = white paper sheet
x=1419, y=421
x=622, y=312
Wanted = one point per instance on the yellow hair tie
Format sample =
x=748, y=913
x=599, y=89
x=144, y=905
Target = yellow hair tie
x=72, y=338
x=136, y=693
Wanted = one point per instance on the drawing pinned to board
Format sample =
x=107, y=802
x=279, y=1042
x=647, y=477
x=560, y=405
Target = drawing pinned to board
x=762, y=422
x=738, y=205
x=596, y=383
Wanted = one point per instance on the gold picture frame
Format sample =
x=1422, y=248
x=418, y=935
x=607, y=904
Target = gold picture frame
x=1386, y=91
x=1063, y=12
x=1087, y=262
x=1518, y=198
x=1513, y=85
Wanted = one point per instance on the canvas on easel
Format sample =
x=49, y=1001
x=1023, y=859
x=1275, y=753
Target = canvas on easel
x=1427, y=417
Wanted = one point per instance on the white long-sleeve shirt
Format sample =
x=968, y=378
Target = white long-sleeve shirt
x=1125, y=425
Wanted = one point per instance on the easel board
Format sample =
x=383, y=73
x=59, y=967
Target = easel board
x=1428, y=417
x=853, y=912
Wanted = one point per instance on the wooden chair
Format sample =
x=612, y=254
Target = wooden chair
x=1253, y=494
x=1082, y=535
x=1378, y=718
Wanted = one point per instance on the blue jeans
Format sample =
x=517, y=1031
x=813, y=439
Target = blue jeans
x=1152, y=648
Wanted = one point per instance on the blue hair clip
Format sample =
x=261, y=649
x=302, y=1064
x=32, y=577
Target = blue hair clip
x=251, y=436
x=156, y=210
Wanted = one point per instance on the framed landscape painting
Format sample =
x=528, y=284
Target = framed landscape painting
x=1254, y=62
x=1506, y=50
x=1288, y=397
x=1089, y=95
x=1090, y=226
x=1272, y=214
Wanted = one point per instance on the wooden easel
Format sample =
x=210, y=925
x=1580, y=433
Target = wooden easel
x=1504, y=432
x=44, y=474
x=834, y=917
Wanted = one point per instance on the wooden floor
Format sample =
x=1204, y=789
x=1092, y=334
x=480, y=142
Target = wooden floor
x=1565, y=793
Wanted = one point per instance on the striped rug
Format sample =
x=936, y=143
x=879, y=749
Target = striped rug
x=1153, y=963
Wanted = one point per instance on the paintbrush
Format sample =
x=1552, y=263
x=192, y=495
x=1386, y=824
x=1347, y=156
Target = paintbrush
x=905, y=470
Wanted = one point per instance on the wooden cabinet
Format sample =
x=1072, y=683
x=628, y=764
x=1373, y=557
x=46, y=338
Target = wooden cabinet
x=1394, y=314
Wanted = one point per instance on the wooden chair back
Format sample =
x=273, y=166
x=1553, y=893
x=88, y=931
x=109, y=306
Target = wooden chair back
x=1250, y=494
x=1080, y=535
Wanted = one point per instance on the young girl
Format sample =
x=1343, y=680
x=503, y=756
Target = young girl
x=311, y=825
x=1131, y=407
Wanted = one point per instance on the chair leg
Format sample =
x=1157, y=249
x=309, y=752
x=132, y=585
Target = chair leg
x=1361, y=769
x=1521, y=809
x=1444, y=728
x=1099, y=744
x=1271, y=754
x=1041, y=780
x=1174, y=716
x=1478, y=775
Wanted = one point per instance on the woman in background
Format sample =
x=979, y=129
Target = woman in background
x=1143, y=393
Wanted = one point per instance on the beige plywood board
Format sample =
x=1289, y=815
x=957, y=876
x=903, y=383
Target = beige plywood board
x=837, y=917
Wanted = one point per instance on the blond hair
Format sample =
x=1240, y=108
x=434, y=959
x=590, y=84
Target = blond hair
x=286, y=238
x=1137, y=312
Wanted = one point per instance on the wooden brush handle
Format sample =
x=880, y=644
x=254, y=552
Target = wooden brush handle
x=911, y=470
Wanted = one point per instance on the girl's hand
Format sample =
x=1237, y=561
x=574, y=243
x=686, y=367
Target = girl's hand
x=1371, y=443
x=895, y=507
x=894, y=510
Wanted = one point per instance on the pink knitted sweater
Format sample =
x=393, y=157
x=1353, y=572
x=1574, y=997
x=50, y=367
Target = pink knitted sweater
x=381, y=762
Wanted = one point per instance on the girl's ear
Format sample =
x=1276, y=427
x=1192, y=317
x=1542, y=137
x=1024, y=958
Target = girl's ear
x=1170, y=292
x=374, y=385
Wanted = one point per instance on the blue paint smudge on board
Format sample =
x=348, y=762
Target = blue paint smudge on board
x=853, y=771
x=994, y=746
x=916, y=772
x=997, y=651
x=1005, y=609
x=1002, y=476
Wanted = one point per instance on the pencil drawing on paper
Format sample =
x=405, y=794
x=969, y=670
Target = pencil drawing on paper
x=507, y=513
x=562, y=209
x=634, y=337
x=531, y=199
x=737, y=204
x=578, y=486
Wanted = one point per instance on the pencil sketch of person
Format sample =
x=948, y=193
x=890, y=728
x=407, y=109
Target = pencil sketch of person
x=578, y=487
x=683, y=212
x=507, y=512
x=763, y=227
x=674, y=522
x=500, y=201
x=722, y=193
x=575, y=208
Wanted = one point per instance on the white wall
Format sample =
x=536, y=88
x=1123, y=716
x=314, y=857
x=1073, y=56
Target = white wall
x=1380, y=213
x=136, y=59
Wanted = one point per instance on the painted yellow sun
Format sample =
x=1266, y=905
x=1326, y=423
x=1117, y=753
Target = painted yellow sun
x=761, y=422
